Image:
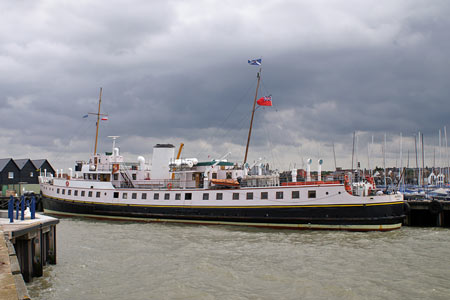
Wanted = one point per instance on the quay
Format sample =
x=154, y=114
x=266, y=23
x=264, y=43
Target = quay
x=435, y=213
x=26, y=246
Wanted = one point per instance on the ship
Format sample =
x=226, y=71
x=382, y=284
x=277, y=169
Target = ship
x=214, y=192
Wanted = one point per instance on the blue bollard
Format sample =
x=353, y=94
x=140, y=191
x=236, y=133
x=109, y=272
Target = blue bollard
x=22, y=208
x=33, y=207
x=11, y=209
x=17, y=204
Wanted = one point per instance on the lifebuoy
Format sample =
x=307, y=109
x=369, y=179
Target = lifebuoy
x=67, y=183
x=435, y=207
x=169, y=186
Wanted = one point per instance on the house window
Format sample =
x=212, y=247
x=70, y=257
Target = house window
x=311, y=194
x=264, y=195
x=134, y=196
x=116, y=195
x=177, y=196
x=144, y=196
x=279, y=195
x=205, y=196
x=188, y=196
x=97, y=194
x=69, y=192
x=134, y=176
x=219, y=196
x=235, y=196
x=82, y=193
x=166, y=196
x=249, y=196
x=295, y=194
x=155, y=196
x=124, y=196
x=10, y=175
x=90, y=194
x=75, y=193
x=31, y=174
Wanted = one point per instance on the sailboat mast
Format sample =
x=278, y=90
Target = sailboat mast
x=98, y=121
x=253, y=113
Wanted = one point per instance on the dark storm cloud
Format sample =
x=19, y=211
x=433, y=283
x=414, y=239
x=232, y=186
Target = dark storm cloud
x=176, y=71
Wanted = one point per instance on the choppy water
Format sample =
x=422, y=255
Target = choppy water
x=114, y=260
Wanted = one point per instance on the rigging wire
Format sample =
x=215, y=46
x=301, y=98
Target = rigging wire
x=228, y=117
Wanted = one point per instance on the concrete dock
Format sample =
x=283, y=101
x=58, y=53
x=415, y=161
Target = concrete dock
x=25, y=248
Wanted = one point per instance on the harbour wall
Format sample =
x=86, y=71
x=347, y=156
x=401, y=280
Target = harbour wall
x=26, y=246
x=434, y=213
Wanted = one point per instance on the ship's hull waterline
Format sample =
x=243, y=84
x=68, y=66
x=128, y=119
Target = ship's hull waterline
x=358, y=217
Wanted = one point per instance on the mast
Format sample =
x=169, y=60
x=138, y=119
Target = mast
x=384, y=160
x=334, y=154
x=253, y=113
x=98, y=121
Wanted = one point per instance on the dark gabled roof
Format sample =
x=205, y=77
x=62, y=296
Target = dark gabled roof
x=38, y=162
x=22, y=162
x=4, y=162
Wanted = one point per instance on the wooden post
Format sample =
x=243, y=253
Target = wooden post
x=52, y=245
x=38, y=264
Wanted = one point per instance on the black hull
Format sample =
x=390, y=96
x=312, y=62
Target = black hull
x=361, y=217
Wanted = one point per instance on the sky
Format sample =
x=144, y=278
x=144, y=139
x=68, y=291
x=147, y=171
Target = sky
x=176, y=72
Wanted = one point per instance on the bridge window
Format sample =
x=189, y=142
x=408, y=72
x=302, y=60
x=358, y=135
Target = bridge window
x=295, y=194
x=83, y=193
x=97, y=194
x=205, y=196
x=75, y=193
x=144, y=196
x=116, y=195
x=178, y=196
x=116, y=177
x=124, y=196
x=279, y=195
x=214, y=176
x=219, y=196
x=249, y=196
x=167, y=196
x=188, y=196
x=63, y=191
x=57, y=191
x=264, y=195
x=90, y=194
x=235, y=196
x=69, y=192
x=311, y=194
x=134, y=196
x=155, y=196
x=134, y=176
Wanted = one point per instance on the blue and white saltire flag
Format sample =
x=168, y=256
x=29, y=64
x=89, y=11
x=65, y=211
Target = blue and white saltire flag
x=255, y=62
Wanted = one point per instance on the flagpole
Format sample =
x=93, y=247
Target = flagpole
x=253, y=113
x=98, y=121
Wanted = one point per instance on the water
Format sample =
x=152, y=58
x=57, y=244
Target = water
x=115, y=260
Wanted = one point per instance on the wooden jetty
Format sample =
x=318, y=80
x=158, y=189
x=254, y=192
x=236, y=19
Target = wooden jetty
x=26, y=246
x=434, y=213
